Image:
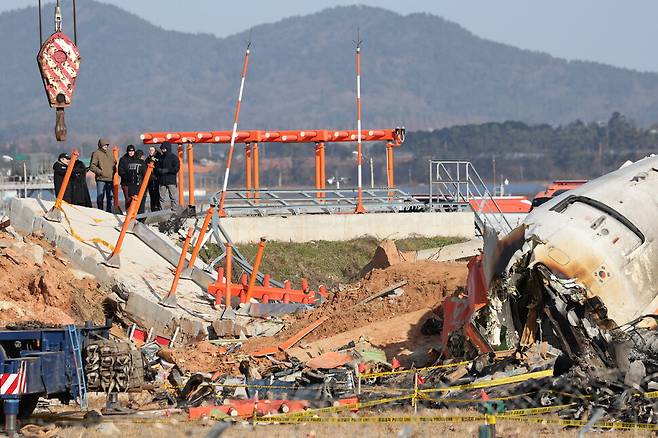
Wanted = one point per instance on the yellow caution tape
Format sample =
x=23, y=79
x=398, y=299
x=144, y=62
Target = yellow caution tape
x=492, y=383
x=537, y=411
x=477, y=400
x=349, y=407
x=379, y=419
x=97, y=240
x=415, y=370
x=581, y=423
x=95, y=219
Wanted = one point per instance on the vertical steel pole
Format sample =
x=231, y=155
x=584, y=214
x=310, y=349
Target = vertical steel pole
x=181, y=176
x=318, y=164
x=222, y=213
x=247, y=161
x=323, y=170
x=359, y=205
x=115, y=180
x=190, y=174
x=254, y=158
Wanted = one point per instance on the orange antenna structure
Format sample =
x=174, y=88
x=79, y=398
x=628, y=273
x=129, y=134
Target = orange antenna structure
x=235, y=131
x=359, y=205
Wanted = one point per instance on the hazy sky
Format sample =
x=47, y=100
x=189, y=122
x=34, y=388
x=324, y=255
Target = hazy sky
x=609, y=31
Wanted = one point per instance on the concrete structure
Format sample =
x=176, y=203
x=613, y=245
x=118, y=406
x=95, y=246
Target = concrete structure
x=455, y=251
x=145, y=275
x=340, y=227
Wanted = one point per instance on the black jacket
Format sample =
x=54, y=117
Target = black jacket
x=167, y=167
x=59, y=170
x=78, y=185
x=131, y=170
x=153, y=179
x=76, y=192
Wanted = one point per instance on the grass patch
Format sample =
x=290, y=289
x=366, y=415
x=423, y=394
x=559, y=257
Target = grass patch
x=321, y=262
x=416, y=243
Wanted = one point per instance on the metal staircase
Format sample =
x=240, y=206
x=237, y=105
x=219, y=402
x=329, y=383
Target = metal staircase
x=455, y=184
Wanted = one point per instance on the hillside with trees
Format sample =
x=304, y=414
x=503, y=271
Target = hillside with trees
x=419, y=71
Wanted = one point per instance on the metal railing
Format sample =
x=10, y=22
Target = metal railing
x=456, y=183
x=312, y=201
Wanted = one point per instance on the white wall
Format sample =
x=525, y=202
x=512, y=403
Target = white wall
x=304, y=228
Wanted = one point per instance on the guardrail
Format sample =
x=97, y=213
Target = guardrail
x=322, y=201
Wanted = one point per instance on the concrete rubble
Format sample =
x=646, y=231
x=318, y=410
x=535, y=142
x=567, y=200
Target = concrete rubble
x=553, y=322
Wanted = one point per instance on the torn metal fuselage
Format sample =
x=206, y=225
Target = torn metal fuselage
x=581, y=272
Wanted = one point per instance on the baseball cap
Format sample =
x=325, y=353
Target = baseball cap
x=130, y=148
x=63, y=155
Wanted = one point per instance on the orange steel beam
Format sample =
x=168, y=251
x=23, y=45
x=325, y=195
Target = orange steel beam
x=130, y=215
x=323, y=174
x=395, y=135
x=234, y=132
x=170, y=299
x=65, y=182
x=190, y=174
x=248, y=165
x=291, y=341
x=254, y=272
x=256, y=171
x=181, y=176
x=199, y=240
x=318, y=184
x=389, y=165
x=115, y=179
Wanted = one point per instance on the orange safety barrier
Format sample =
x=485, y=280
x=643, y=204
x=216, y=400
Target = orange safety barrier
x=190, y=175
x=254, y=272
x=181, y=177
x=115, y=179
x=113, y=260
x=265, y=293
x=229, y=276
x=170, y=299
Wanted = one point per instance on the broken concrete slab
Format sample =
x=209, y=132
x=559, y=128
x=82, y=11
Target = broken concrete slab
x=86, y=236
x=455, y=251
x=386, y=255
x=243, y=326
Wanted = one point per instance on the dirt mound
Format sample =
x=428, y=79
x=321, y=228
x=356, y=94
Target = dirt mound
x=202, y=357
x=39, y=285
x=428, y=284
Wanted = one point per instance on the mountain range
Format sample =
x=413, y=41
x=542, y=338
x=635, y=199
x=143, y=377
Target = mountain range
x=418, y=70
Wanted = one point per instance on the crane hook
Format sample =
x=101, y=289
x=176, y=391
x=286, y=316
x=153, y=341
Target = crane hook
x=58, y=18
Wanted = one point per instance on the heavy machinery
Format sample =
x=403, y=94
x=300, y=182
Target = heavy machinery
x=63, y=363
